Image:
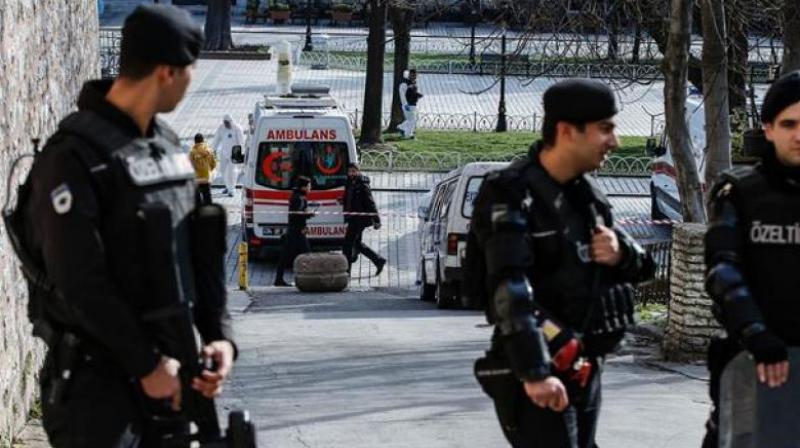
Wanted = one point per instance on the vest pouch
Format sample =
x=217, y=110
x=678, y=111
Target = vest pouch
x=614, y=312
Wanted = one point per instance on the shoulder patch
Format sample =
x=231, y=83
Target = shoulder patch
x=61, y=197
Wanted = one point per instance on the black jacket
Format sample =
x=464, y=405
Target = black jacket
x=90, y=237
x=298, y=203
x=358, y=198
x=552, y=251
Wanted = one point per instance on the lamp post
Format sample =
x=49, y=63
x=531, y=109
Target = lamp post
x=474, y=20
x=502, y=125
x=308, y=46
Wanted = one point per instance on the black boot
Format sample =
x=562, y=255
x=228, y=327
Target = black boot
x=379, y=265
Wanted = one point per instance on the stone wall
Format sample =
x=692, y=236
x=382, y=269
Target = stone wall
x=47, y=49
x=690, y=324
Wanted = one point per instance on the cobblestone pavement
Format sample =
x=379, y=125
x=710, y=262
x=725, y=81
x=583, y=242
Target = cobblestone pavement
x=233, y=87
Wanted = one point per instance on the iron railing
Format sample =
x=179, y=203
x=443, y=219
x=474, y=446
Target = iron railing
x=392, y=161
x=657, y=290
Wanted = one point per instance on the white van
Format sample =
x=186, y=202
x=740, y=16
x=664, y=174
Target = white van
x=443, y=239
x=305, y=133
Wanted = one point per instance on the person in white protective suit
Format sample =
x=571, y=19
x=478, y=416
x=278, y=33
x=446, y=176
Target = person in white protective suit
x=228, y=136
x=409, y=96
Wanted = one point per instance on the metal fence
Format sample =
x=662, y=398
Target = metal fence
x=544, y=53
x=460, y=122
x=392, y=161
x=657, y=290
x=641, y=72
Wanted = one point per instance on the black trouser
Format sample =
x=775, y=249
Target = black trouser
x=353, y=245
x=573, y=428
x=720, y=353
x=99, y=407
x=294, y=244
x=204, y=193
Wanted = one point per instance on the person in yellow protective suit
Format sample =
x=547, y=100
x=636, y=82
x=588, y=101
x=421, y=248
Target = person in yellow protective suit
x=204, y=163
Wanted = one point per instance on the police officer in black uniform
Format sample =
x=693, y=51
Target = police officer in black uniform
x=295, y=241
x=556, y=265
x=102, y=189
x=358, y=199
x=753, y=251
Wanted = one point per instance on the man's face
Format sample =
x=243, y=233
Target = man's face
x=306, y=189
x=174, y=82
x=227, y=123
x=784, y=133
x=593, y=145
x=412, y=76
x=352, y=172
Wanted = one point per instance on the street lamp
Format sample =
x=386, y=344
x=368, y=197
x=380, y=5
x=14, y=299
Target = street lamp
x=308, y=46
x=474, y=20
x=502, y=125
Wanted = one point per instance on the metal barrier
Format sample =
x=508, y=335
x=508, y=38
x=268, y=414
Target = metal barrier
x=657, y=290
x=445, y=161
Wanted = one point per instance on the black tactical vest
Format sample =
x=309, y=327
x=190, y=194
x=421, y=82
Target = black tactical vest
x=769, y=215
x=412, y=93
x=133, y=178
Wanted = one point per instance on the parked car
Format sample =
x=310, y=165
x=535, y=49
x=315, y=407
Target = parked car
x=443, y=237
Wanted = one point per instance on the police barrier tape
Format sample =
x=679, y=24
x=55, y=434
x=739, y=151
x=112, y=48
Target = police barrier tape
x=622, y=221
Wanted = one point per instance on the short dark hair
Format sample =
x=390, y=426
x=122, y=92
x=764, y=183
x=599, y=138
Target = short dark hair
x=301, y=181
x=134, y=67
x=549, y=130
x=353, y=165
x=198, y=138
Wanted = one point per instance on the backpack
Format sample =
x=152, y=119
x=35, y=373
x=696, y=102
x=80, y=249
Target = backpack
x=42, y=294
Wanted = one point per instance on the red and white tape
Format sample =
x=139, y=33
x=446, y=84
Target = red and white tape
x=621, y=222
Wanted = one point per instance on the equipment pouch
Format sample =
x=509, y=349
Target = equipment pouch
x=613, y=314
x=498, y=381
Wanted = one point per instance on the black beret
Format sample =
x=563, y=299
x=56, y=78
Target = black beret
x=162, y=34
x=579, y=101
x=783, y=93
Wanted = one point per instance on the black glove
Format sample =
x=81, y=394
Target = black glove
x=766, y=347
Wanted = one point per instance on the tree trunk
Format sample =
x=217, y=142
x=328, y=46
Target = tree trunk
x=658, y=29
x=637, y=44
x=372, y=120
x=402, y=20
x=715, y=86
x=738, y=48
x=218, y=26
x=676, y=64
x=791, y=36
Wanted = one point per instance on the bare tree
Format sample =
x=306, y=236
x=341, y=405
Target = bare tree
x=401, y=16
x=372, y=120
x=676, y=63
x=715, y=86
x=791, y=36
x=218, y=26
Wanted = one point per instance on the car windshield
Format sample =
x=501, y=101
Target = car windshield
x=279, y=163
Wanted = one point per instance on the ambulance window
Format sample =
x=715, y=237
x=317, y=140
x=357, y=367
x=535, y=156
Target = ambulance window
x=279, y=163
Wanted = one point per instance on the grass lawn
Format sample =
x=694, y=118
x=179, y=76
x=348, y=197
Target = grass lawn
x=490, y=142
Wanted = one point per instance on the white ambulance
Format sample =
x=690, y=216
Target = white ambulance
x=304, y=133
